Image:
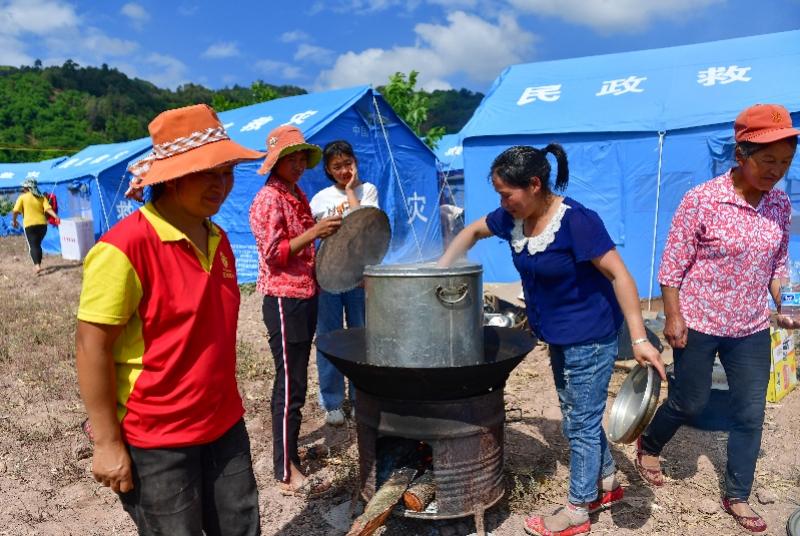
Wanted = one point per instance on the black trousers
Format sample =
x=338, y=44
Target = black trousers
x=34, y=234
x=746, y=361
x=190, y=491
x=290, y=324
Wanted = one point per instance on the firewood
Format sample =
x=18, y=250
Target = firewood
x=380, y=506
x=420, y=493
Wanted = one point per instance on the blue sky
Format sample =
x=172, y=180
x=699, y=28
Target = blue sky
x=330, y=44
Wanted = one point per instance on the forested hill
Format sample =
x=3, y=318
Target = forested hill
x=55, y=111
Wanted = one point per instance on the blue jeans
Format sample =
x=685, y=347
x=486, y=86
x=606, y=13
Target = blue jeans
x=746, y=362
x=581, y=373
x=329, y=318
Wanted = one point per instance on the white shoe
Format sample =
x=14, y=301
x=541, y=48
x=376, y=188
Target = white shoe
x=334, y=417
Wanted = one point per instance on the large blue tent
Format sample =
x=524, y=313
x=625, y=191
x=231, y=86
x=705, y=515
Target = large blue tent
x=389, y=155
x=640, y=129
x=91, y=184
x=11, y=177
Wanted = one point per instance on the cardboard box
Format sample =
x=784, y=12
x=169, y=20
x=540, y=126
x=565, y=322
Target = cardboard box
x=783, y=369
x=77, y=237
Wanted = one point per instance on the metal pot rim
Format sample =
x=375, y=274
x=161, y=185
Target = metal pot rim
x=426, y=269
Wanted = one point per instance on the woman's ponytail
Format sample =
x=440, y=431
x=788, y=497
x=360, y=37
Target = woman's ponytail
x=562, y=173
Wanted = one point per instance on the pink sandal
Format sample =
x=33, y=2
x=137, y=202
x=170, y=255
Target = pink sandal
x=754, y=524
x=654, y=477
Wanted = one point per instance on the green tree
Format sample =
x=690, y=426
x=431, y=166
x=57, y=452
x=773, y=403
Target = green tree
x=411, y=105
x=263, y=92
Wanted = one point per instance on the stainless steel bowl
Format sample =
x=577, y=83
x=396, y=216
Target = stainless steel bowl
x=793, y=524
x=635, y=405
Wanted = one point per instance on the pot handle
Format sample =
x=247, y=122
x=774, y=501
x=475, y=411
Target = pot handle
x=452, y=295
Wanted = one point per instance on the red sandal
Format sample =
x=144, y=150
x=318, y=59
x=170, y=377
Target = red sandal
x=753, y=524
x=535, y=525
x=606, y=499
x=654, y=477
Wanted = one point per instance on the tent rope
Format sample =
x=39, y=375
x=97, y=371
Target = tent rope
x=661, y=134
x=445, y=182
x=397, y=175
x=119, y=189
x=102, y=203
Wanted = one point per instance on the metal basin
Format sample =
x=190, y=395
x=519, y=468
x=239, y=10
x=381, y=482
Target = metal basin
x=504, y=349
x=793, y=524
x=635, y=405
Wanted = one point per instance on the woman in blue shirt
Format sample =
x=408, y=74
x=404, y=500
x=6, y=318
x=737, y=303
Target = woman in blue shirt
x=577, y=291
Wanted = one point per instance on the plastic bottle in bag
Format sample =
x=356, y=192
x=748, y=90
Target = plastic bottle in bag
x=790, y=293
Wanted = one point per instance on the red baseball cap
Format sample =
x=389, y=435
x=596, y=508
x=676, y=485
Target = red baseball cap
x=764, y=123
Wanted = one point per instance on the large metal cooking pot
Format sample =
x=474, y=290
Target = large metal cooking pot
x=422, y=316
x=504, y=349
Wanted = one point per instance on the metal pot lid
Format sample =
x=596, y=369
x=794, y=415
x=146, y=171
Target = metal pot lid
x=422, y=269
x=635, y=404
x=793, y=524
x=362, y=239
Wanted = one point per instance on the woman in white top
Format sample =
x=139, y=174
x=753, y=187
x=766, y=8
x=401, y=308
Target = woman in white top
x=346, y=194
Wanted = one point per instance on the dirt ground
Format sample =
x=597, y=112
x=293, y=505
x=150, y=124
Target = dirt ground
x=46, y=485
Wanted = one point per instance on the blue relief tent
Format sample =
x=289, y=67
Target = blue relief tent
x=640, y=129
x=390, y=156
x=11, y=177
x=89, y=184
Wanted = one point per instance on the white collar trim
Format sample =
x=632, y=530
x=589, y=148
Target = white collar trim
x=537, y=244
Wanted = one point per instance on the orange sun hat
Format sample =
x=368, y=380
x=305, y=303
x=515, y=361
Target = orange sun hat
x=764, y=123
x=287, y=139
x=187, y=140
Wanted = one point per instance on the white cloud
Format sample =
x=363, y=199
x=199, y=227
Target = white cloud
x=614, y=15
x=136, y=13
x=313, y=53
x=286, y=70
x=39, y=17
x=294, y=36
x=102, y=45
x=441, y=51
x=12, y=52
x=165, y=71
x=221, y=50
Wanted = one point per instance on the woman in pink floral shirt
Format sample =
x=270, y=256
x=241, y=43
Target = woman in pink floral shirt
x=281, y=221
x=726, y=248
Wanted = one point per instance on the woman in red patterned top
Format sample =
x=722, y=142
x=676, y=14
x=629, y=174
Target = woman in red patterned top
x=726, y=248
x=281, y=221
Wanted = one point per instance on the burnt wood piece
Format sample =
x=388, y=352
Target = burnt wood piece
x=380, y=506
x=420, y=493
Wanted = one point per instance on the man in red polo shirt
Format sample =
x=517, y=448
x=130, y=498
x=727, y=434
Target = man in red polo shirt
x=156, y=342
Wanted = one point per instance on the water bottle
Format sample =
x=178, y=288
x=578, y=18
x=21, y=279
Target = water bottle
x=790, y=293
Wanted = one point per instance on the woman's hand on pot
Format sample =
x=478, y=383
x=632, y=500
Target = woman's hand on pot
x=327, y=226
x=675, y=331
x=645, y=353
